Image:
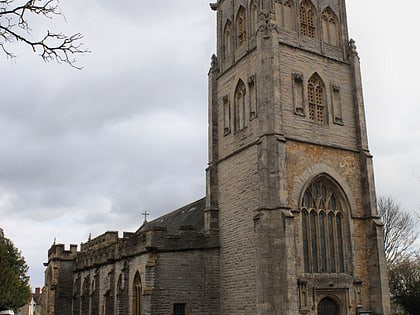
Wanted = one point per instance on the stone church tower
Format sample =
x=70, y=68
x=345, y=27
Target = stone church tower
x=290, y=185
x=289, y=223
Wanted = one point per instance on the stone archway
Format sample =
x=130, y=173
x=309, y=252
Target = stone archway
x=328, y=306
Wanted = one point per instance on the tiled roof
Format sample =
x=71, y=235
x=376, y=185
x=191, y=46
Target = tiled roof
x=191, y=215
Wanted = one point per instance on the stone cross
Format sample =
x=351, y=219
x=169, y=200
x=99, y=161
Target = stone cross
x=145, y=213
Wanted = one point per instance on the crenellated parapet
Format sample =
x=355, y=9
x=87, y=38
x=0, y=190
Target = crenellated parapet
x=109, y=248
x=104, y=240
x=158, y=239
x=58, y=252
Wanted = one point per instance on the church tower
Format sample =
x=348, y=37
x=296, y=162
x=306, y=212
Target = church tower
x=290, y=188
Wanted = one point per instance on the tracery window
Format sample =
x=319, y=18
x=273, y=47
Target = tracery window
x=227, y=40
x=307, y=19
x=240, y=105
x=285, y=14
x=241, y=27
x=316, y=98
x=322, y=228
x=329, y=27
x=137, y=293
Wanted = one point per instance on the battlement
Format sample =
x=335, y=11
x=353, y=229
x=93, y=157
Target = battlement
x=108, y=248
x=159, y=239
x=58, y=252
x=103, y=240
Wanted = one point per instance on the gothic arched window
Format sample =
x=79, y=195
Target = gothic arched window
x=316, y=98
x=240, y=105
x=227, y=40
x=137, y=292
x=329, y=27
x=76, y=296
x=285, y=14
x=241, y=27
x=307, y=19
x=85, y=295
x=322, y=228
x=253, y=17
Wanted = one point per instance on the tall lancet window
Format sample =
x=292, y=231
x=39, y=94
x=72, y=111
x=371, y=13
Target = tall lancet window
x=241, y=27
x=137, y=293
x=329, y=27
x=285, y=14
x=322, y=228
x=240, y=105
x=307, y=19
x=316, y=98
x=227, y=40
x=253, y=17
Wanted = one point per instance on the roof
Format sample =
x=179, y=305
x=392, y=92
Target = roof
x=191, y=215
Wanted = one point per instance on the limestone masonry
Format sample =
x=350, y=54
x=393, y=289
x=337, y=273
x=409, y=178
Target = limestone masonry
x=289, y=223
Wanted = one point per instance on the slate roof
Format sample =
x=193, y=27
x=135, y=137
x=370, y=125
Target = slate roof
x=191, y=215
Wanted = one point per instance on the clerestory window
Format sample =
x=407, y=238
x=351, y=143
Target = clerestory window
x=322, y=228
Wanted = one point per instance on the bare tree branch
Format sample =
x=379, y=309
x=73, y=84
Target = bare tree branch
x=14, y=27
x=399, y=230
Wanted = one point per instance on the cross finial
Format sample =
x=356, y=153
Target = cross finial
x=145, y=214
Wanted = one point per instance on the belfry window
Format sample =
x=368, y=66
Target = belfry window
x=307, y=19
x=316, y=99
x=322, y=228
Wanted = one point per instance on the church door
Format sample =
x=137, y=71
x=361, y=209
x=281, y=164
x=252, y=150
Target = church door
x=327, y=306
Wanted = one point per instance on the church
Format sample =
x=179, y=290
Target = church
x=289, y=223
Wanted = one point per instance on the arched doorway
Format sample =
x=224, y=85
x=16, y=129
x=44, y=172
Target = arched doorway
x=328, y=306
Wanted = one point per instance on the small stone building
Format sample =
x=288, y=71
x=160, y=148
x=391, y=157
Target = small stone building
x=289, y=223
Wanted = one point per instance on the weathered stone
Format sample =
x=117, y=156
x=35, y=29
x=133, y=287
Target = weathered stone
x=289, y=224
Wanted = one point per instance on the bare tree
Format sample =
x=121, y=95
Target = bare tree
x=15, y=17
x=404, y=283
x=399, y=230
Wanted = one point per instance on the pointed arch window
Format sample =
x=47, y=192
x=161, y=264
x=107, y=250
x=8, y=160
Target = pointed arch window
x=322, y=228
x=85, y=295
x=240, y=105
x=253, y=17
x=307, y=14
x=316, y=98
x=137, y=294
x=241, y=27
x=329, y=27
x=285, y=14
x=227, y=40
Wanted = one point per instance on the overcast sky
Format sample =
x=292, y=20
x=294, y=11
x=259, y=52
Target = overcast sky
x=87, y=151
